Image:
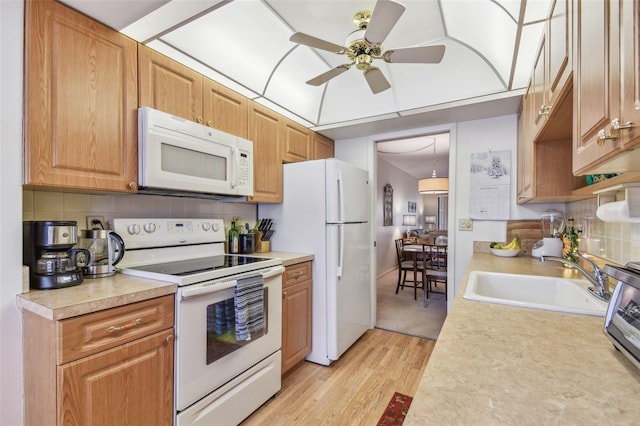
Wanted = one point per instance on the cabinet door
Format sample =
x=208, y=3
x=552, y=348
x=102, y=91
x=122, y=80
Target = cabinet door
x=128, y=385
x=540, y=108
x=265, y=131
x=630, y=73
x=323, y=147
x=596, y=82
x=224, y=109
x=80, y=102
x=525, y=159
x=296, y=142
x=558, y=49
x=296, y=314
x=168, y=86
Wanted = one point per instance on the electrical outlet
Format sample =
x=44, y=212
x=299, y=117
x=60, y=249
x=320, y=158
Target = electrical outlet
x=95, y=222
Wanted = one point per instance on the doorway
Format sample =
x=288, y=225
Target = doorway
x=402, y=163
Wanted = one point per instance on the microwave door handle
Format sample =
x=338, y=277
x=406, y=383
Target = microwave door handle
x=235, y=166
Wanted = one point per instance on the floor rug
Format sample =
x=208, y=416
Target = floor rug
x=402, y=314
x=396, y=410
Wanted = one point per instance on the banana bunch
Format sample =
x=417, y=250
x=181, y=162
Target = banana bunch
x=513, y=245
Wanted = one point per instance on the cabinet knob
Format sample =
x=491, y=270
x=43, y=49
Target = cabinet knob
x=169, y=338
x=199, y=120
x=133, y=186
x=544, y=110
x=210, y=123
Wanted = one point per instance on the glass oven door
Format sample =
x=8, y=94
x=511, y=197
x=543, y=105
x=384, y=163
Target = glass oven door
x=212, y=346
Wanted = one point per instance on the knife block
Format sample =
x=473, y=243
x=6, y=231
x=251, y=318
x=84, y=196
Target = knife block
x=262, y=246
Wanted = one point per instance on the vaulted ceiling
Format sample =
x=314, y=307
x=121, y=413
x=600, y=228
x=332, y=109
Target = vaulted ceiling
x=244, y=44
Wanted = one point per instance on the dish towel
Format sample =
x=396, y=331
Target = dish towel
x=249, y=302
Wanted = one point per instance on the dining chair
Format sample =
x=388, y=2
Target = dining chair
x=409, y=265
x=436, y=271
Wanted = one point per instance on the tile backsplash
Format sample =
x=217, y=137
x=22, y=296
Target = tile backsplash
x=618, y=242
x=47, y=205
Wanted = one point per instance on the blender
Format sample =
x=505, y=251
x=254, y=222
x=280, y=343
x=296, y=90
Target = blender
x=551, y=244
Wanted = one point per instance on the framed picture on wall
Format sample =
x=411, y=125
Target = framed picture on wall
x=412, y=207
x=388, y=205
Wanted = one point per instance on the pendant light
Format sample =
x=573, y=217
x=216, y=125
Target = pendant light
x=434, y=184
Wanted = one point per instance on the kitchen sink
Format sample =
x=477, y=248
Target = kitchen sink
x=532, y=291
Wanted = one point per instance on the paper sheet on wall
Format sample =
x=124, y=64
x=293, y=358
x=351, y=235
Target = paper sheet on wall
x=490, y=195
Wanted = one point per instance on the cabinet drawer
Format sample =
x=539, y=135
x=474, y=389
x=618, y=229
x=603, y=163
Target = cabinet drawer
x=96, y=332
x=295, y=274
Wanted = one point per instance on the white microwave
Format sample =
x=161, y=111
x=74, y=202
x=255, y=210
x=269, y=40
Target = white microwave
x=181, y=157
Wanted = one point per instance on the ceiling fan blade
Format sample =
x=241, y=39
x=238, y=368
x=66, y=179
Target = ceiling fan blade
x=324, y=77
x=311, y=41
x=418, y=55
x=377, y=81
x=383, y=18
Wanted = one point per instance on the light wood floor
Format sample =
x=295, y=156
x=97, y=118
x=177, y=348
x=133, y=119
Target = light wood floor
x=353, y=390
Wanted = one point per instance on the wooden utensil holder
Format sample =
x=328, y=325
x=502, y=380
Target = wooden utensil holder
x=262, y=246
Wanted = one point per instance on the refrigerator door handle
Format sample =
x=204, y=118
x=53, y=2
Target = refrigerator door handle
x=340, y=198
x=340, y=250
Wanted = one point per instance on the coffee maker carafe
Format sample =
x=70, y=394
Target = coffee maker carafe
x=47, y=249
x=106, y=248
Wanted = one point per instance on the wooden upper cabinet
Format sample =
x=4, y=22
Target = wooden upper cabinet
x=80, y=102
x=265, y=130
x=596, y=83
x=322, y=147
x=296, y=142
x=538, y=108
x=525, y=159
x=629, y=117
x=551, y=76
x=559, y=50
x=224, y=109
x=169, y=86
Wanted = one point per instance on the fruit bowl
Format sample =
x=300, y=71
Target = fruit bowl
x=505, y=252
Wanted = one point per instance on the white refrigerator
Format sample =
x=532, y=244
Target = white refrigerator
x=325, y=211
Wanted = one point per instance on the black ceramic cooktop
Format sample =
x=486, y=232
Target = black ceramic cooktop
x=205, y=264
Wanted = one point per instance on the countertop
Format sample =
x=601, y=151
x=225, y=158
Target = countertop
x=497, y=364
x=105, y=293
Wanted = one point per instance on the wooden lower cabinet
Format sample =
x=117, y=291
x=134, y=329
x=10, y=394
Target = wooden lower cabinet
x=296, y=314
x=111, y=367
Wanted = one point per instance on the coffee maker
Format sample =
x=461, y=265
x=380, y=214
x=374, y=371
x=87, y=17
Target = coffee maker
x=47, y=249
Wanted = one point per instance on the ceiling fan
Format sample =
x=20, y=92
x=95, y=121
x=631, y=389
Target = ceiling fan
x=364, y=45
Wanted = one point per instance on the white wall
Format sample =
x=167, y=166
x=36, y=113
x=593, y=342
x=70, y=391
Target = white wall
x=11, y=44
x=405, y=188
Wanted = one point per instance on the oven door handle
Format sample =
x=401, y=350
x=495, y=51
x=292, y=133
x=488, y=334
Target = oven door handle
x=206, y=289
x=278, y=270
x=193, y=291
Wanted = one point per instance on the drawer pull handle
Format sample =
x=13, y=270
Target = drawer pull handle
x=116, y=328
x=297, y=275
x=626, y=126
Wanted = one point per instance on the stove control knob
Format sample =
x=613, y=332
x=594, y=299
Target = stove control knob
x=149, y=228
x=216, y=227
x=133, y=229
x=206, y=226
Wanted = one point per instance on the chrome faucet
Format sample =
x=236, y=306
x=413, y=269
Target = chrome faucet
x=597, y=278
